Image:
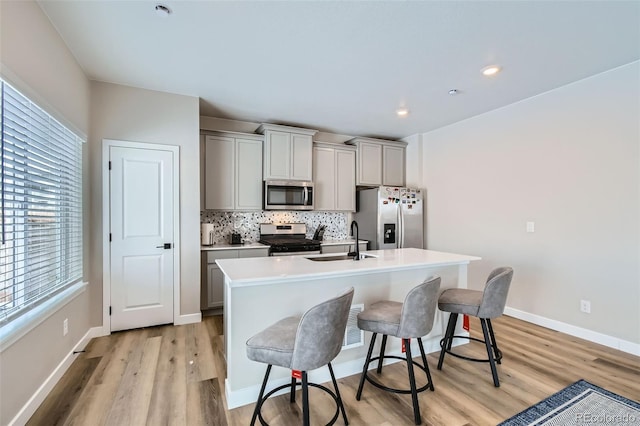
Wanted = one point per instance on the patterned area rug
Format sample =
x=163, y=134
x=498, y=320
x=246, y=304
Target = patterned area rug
x=579, y=404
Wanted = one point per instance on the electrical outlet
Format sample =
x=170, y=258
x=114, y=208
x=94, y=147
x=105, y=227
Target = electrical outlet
x=531, y=227
x=585, y=306
x=65, y=327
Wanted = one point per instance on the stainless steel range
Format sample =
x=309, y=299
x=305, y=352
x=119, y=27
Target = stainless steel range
x=287, y=239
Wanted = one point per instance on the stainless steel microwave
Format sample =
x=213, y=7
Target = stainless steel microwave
x=288, y=195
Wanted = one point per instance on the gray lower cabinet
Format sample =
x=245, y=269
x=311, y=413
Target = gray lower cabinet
x=341, y=248
x=212, y=278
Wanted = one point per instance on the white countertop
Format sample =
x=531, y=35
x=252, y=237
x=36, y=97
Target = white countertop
x=268, y=270
x=225, y=246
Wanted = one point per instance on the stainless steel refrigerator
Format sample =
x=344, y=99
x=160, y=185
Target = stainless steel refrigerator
x=390, y=217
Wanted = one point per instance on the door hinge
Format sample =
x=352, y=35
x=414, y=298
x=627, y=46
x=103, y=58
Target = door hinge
x=109, y=236
x=109, y=310
x=109, y=165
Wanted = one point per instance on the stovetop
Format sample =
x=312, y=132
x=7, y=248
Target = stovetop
x=283, y=245
x=279, y=241
x=287, y=237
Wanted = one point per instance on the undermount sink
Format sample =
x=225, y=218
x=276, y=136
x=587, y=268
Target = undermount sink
x=338, y=257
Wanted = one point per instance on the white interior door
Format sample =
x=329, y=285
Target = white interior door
x=142, y=236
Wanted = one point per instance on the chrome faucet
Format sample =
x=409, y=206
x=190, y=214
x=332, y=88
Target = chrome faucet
x=357, y=248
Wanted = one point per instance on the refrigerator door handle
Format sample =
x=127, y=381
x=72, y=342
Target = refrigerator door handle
x=400, y=243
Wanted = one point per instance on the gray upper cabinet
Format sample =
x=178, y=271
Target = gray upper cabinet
x=233, y=171
x=379, y=162
x=369, y=160
x=288, y=152
x=393, y=158
x=334, y=177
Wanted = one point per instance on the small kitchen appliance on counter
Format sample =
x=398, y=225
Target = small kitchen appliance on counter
x=206, y=234
x=287, y=239
x=236, y=238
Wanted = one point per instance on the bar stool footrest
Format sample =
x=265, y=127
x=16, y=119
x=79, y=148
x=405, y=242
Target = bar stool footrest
x=394, y=390
x=450, y=352
x=288, y=385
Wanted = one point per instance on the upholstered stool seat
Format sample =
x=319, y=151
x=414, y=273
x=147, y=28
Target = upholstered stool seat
x=303, y=343
x=411, y=319
x=274, y=345
x=381, y=317
x=485, y=305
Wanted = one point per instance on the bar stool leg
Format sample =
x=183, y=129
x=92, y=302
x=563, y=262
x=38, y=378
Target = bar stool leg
x=292, y=397
x=424, y=362
x=448, y=338
x=453, y=331
x=494, y=343
x=259, y=402
x=366, y=366
x=382, y=348
x=487, y=342
x=305, y=399
x=412, y=382
x=335, y=386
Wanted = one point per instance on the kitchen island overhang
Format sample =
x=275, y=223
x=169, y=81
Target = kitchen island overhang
x=260, y=291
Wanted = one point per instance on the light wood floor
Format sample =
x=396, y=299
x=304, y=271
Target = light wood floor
x=170, y=375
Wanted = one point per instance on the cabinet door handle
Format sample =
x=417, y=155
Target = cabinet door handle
x=166, y=246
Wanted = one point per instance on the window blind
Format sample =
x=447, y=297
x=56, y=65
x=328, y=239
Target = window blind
x=41, y=200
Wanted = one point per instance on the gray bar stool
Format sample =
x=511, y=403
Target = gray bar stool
x=485, y=305
x=411, y=319
x=303, y=343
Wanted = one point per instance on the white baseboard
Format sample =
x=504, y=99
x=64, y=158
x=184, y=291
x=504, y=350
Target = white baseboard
x=188, y=319
x=572, y=330
x=39, y=396
x=105, y=330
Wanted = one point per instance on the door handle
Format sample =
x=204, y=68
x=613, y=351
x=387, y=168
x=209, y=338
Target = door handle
x=166, y=246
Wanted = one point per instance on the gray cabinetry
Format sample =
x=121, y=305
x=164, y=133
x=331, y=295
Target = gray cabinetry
x=287, y=152
x=334, y=177
x=232, y=171
x=342, y=248
x=212, y=279
x=379, y=162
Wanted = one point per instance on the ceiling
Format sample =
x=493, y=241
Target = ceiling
x=345, y=67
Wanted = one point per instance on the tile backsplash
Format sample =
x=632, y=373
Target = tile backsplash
x=248, y=223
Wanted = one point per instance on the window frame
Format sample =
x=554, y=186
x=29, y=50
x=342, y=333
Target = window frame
x=21, y=320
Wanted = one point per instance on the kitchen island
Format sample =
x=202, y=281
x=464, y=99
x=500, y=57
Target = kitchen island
x=260, y=291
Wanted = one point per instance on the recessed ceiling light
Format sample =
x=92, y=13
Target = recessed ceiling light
x=162, y=10
x=453, y=92
x=402, y=112
x=491, y=70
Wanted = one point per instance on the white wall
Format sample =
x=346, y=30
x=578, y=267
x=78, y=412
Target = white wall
x=130, y=114
x=35, y=60
x=414, y=159
x=567, y=160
